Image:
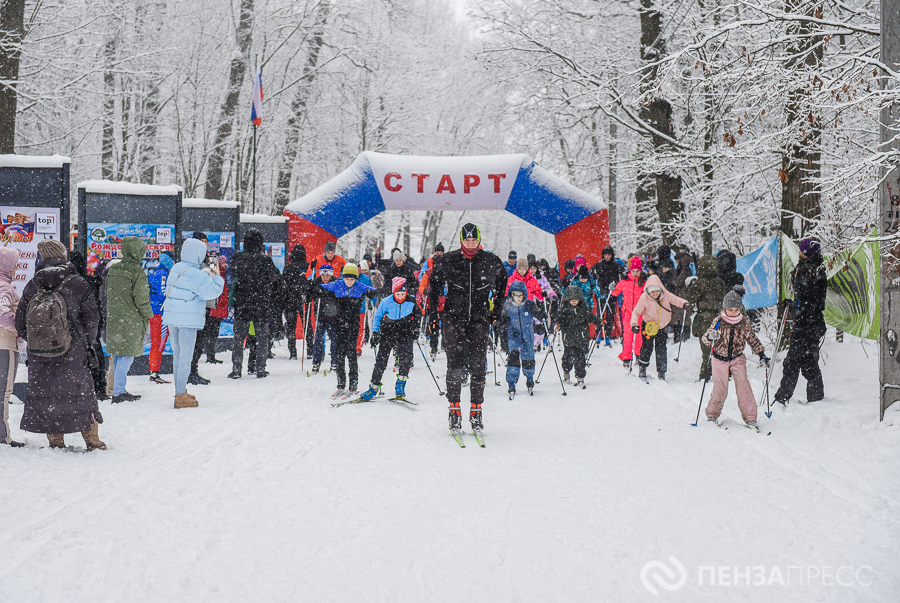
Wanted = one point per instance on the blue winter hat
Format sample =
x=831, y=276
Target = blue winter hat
x=166, y=260
x=518, y=287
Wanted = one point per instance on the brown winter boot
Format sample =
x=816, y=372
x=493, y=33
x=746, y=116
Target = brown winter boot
x=185, y=400
x=92, y=439
x=57, y=440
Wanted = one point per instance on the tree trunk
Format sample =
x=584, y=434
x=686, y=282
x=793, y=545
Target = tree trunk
x=801, y=160
x=611, y=179
x=658, y=114
x=12, y=30
x=236, y=74
x=108, y=150
x=298, y=111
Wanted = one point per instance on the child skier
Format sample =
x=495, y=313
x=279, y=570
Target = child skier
x=348, y=293
x=574, y=321
x=630, y=288
x=654, y=308
x=727, y=336
x=394, y=327
x=518, y=317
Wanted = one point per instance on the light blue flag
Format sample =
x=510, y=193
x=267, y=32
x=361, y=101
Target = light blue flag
x=760, y=270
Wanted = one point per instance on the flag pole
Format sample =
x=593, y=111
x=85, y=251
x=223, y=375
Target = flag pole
x=255, y=128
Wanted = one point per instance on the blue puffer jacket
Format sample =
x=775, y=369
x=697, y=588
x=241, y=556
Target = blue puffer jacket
x=158, y=283
x=189, y=288
x=521, y=322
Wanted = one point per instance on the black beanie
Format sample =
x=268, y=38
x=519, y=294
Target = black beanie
x=439, y=247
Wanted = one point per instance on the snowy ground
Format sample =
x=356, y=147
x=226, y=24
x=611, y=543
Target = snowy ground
x=266, y=493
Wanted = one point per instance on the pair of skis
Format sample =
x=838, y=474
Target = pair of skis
x=754, y=428
x=457, y=435
x=401, y=400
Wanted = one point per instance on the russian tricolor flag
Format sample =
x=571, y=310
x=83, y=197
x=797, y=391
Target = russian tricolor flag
x=256, y=108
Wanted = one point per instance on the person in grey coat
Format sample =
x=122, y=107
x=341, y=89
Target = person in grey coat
x=60, y=396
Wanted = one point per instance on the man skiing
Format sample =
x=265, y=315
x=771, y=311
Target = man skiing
x=471, y=275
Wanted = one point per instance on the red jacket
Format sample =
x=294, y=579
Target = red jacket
x=221, y=309
x=337, y=262
x=631, y=289
x=531, y=284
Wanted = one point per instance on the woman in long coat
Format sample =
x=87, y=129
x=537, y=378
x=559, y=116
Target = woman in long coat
x=60, y=396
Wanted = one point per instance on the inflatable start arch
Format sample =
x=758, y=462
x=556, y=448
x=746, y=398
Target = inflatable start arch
x=376, y=182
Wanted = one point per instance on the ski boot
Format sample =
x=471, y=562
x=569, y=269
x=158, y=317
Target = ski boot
x=400, y=388
x=512, y=391
x=354, y=387
x=530, y=385
x=752, y=426
x=642, y=373
x=627, y=364
x=369, y=394
x=475, y=418
x=608, y=344
x=155, y=378
x=315, y=369
x=580, y=383
x=433, y=357
x=713, y=420
x=566, y=377
x=455, y=417
x=234, y=375
x=661, y=376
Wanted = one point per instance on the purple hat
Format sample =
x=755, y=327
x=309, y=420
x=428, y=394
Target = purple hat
x=810, y=248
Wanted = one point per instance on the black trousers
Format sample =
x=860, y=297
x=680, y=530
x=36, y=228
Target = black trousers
x=403, y=350
x=290, y=331
x=609, y=318
x=345, y=347
x=658, y=341
x=802, y=357
x=575, y=355
x=466, y=344
x=241, y=331
x=209, y=331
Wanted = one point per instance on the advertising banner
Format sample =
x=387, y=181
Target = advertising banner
x=104, y=242
x=23, y=228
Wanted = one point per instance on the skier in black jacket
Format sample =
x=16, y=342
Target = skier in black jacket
x=607, y=271
x=296, y=292
x=253, y=286
x=810, y=285
x=471, y=275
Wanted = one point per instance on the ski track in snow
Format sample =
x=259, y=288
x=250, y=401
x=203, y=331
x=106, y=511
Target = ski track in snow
x=267, y=493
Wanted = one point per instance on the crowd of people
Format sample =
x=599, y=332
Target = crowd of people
x=83, y=331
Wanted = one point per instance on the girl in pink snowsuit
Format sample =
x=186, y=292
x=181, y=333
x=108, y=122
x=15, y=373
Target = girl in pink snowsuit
x=631, y=288
x=727, y=336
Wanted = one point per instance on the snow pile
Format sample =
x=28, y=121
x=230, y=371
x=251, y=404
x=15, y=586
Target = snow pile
x=262, y=218
x=209, y=203
x=108, y=187
x=267, y=493
x=33, y=161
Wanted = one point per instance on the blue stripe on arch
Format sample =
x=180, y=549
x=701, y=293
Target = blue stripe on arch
x=549, y=210
x=355, y=202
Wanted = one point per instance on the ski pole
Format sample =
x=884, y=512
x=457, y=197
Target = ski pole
x=697, y=420
x=429, y=367
x=680, y=339
x=552, y=341
x=494, y=350
x=602, y=331
x=305, y=333
x=771, y=370
x=558, y=372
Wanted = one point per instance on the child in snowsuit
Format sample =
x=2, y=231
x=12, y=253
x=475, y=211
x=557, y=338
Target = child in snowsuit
x=394, y=327
x=726, y=336
x=630, y=288
x=518, y=317
x=654, y=307
x=326, y=311
x=574, y=321
x=348, y=293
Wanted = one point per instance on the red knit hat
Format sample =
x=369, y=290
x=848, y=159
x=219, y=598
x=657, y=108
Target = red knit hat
x=398, y=284
x=636, y=263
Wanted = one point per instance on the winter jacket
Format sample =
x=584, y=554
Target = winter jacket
x=532, y=285
x=810, y=285
x=158, y=283
x=574, y=323
x=732, y=339
x=9, y=299
x=706, y=294
x=326, y=307
x=396, y=321
x=128, y=310
x=510, y=268
x=589, y=289
x=728, y=269
x=189, y=288
x=519, y=319
x=295, y=283
x=470, y=284
x=630, y=289
x=655, y=310
x=60, y=396
x=254, y=280
x=221, y=309
x=406, y=271
x=336, y=262
x=347, y=300
x=663, y=267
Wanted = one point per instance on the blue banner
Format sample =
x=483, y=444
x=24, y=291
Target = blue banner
x=760, y=270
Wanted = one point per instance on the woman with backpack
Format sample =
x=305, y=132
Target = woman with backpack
x=60, y=396
x=9, y=339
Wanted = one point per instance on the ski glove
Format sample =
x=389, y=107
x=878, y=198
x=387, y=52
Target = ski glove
x=376, y=337
x=635, y=329
x=763, y=358
x=687, y=309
